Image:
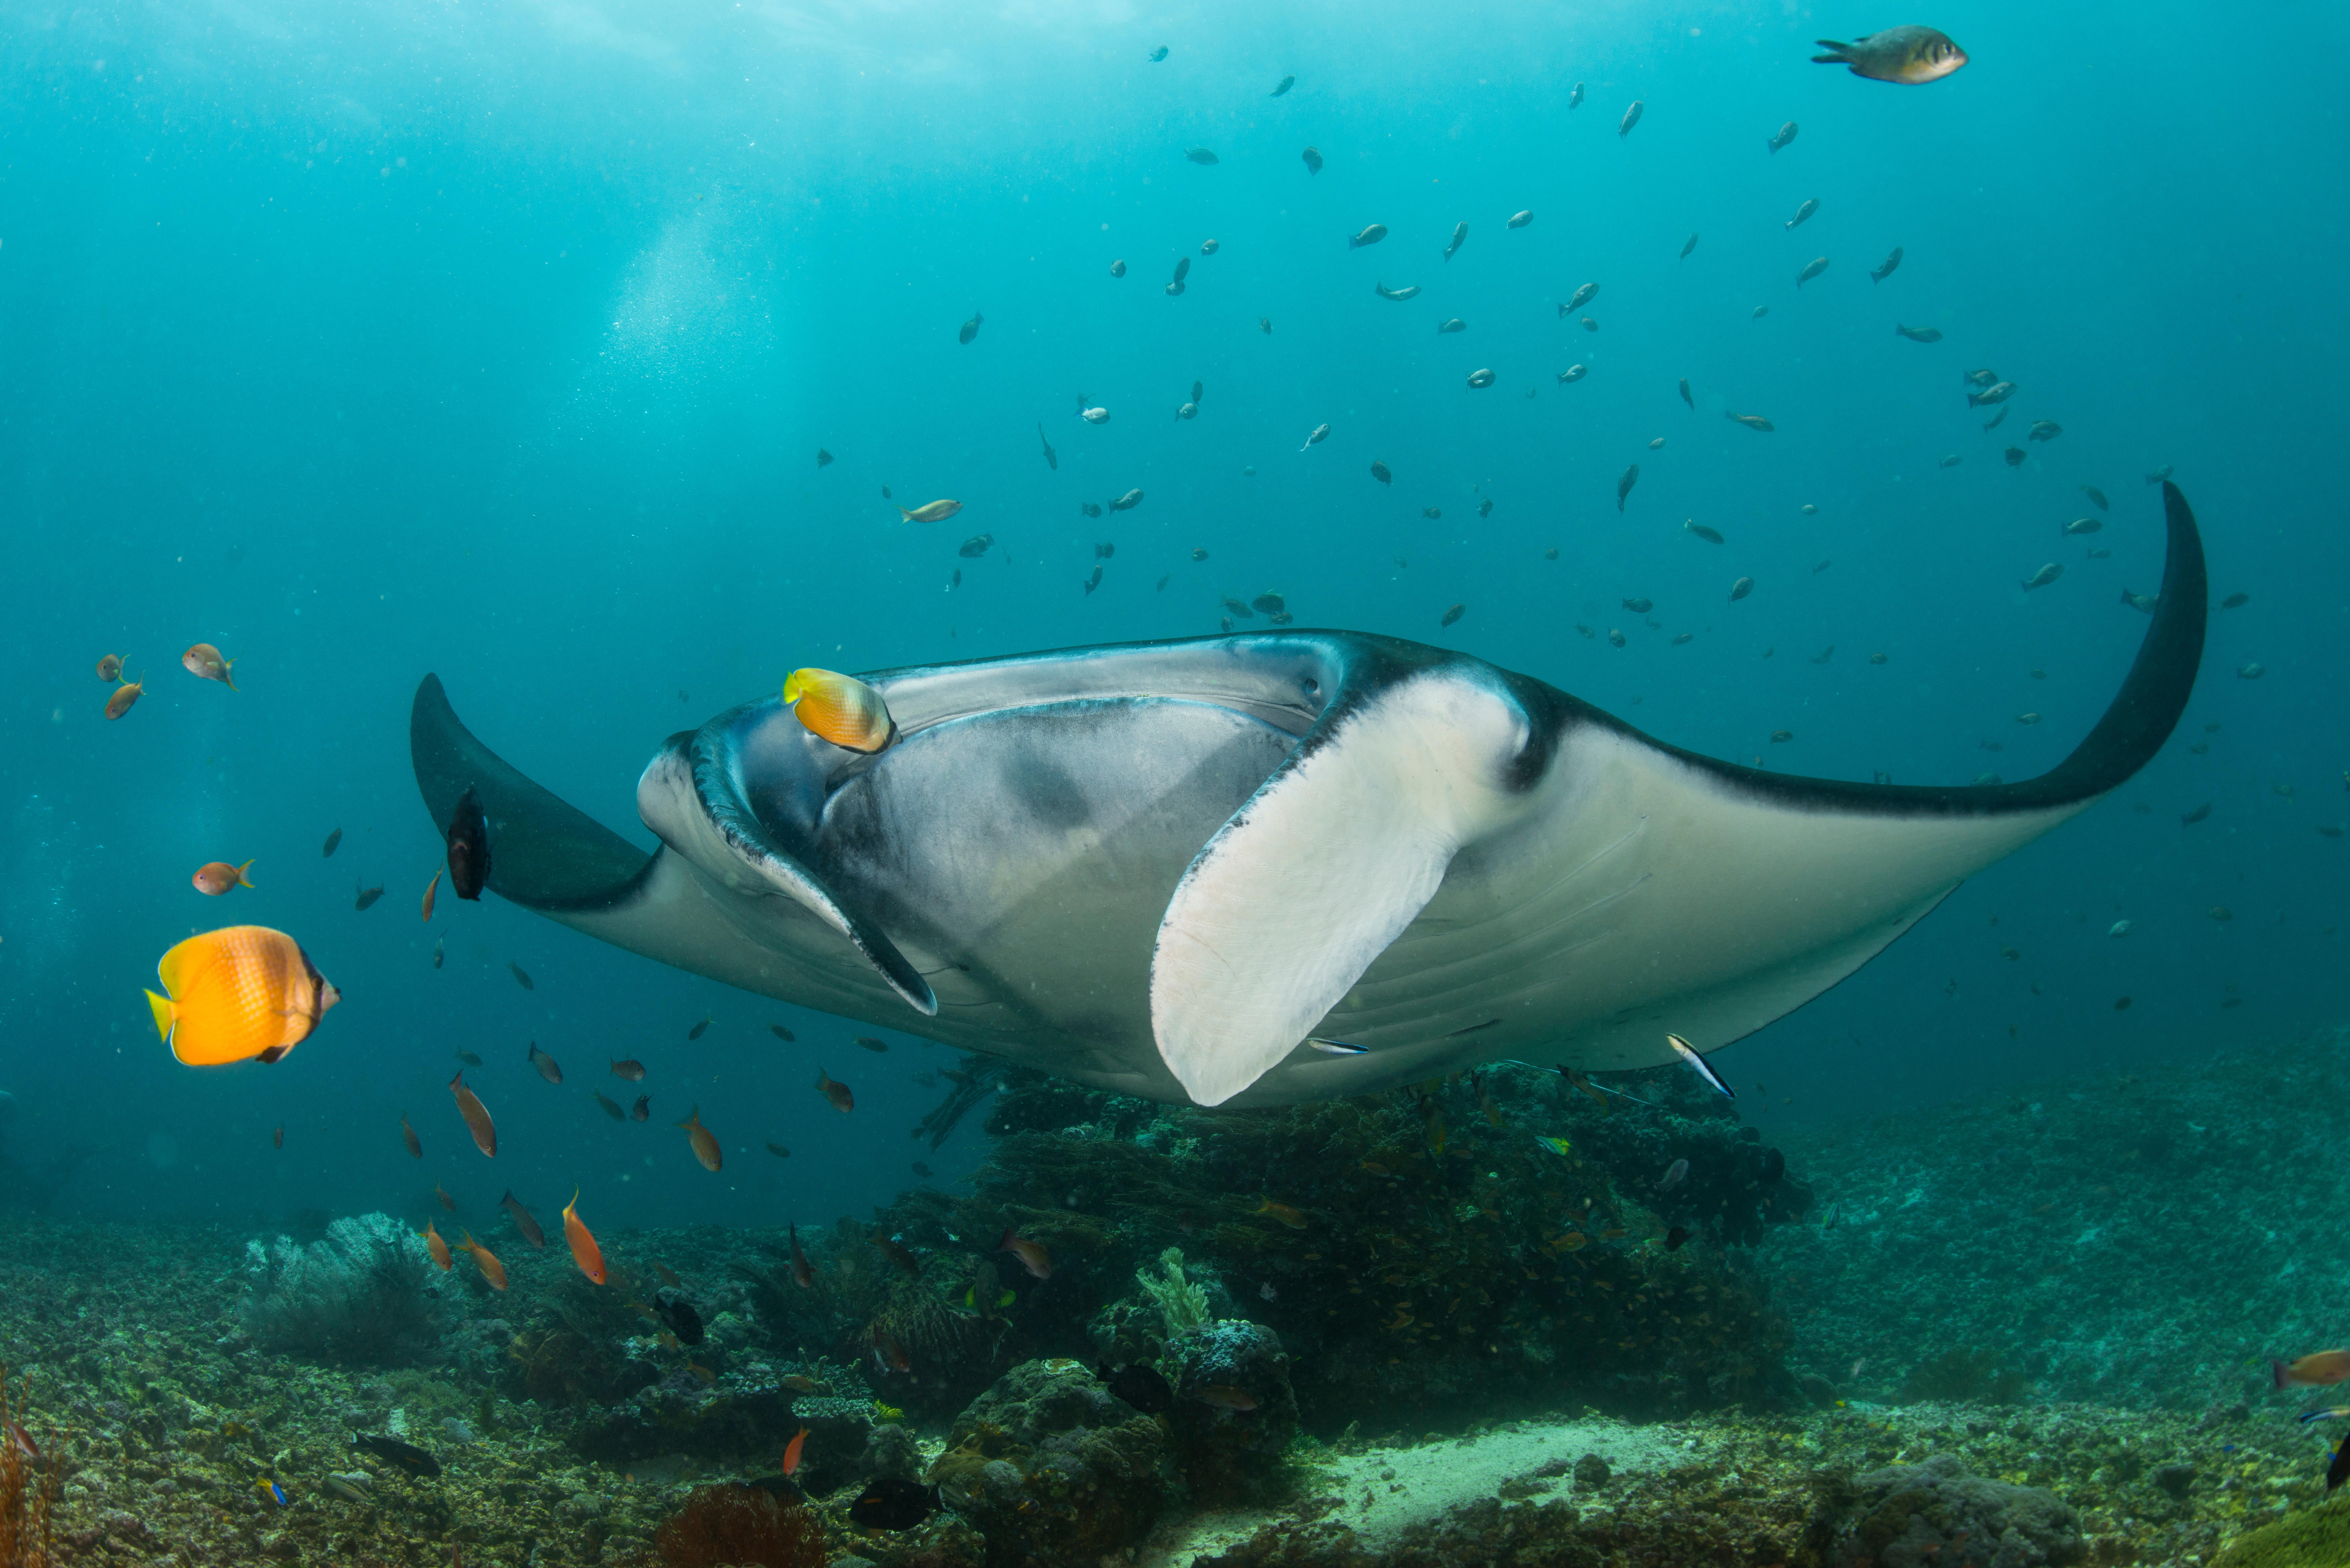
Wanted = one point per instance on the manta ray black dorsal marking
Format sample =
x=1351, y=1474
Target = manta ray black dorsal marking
x=1163, y=869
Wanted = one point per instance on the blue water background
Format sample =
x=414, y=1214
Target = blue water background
x=367, y=340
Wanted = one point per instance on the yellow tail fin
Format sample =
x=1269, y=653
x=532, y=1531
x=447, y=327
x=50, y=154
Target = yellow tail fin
x=228, y=674
x=161, y=1007
x=241, y=873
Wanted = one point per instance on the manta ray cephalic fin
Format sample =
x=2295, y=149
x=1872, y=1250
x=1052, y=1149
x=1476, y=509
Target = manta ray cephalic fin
x=1326, y=863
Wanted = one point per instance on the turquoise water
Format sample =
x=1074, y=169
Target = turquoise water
x=409, y=338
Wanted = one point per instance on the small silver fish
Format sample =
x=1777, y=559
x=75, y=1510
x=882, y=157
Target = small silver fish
x=1573, y=373
x=1520, y=220
x=2043, y=578
x=1575, y=97
x=1455, y=325
x=1782, y=136
x=2083, y=526
x=1321, y=434
x=1481, y=378
x=2146, y=602
x=1998, y=392
x=1631, y=119
x=1624, y=483
x=1581, y=297
x=1812, y=269
x=1371, y=235
x=1918, y=334
x=2043, y=429
x=1711, y=535
x=1910, y=56
x=1883, y=269
x=1406, y=292
x=1740, y=588
x=1807, y=210
x=1093, y=416
x=1459, y=236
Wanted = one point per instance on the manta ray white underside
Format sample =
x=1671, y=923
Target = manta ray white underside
x=1157, y=867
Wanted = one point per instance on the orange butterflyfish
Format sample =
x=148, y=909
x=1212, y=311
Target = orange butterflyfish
x=704, y=1141
x=476, y=1114
x=438, y=1245
x=930, y=511
x=583, y=1250
x=127, y=693
x=238, y=993
x=432, y=890
x=833, y=1089
x=792, y=1451
x=485, y=1260
x=205, y=662
x=840, y=709
x=214, y=878
x=407, y=1135
x=2325, y=1366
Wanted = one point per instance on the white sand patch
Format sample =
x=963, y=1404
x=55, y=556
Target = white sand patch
x=1379, y=1491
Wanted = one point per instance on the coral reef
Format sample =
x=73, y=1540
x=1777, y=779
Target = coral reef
x=741, y=1526
x=1912, y=1514
x=1051, y=1469
x=356, y=1296
x=1181, y=1304
x=1234, y=1411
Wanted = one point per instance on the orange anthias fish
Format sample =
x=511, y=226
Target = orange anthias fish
x=109, y=668
x=792, y=1451
x=214, y=878
x=841, y=709
x=1281, y=1211
x=407, y=1135
x=1224, y=1396
x=438, y=1245
x=205, y=662
x=485, y=1260
x=836, y=1091
x=1032, y=1254
x=476, y=1114
x=523, y=1220
x=704, y=1141
x=2325, y=1366
x=236, y=993
x=431, y=891
x=583, y=1250
x=127, y=693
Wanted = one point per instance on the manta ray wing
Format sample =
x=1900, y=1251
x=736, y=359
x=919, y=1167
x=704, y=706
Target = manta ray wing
x=1633, y=888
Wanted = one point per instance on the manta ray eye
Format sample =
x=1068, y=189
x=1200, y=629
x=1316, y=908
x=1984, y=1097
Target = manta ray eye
x=1312, y=686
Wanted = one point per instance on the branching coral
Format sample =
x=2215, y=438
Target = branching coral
x=357, y=1297
x=1181, y=1304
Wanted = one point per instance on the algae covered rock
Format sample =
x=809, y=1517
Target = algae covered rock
x=1050, y=1466
x=1234, y=1411
x=2318, y=1538
x=1912, y=1516
x=737, y=1415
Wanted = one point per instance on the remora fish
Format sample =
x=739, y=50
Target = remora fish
x=1196, y=970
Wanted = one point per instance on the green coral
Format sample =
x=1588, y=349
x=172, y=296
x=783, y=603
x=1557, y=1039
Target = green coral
x=2317, y=1538
x=1181, y=1304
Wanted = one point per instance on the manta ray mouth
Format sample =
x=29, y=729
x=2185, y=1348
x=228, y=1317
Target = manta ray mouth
x=1165, y=868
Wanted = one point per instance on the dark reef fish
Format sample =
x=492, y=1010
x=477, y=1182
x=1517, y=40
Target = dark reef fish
x=468, y=841
x=683, y=1322
x=1140, y=1385
x=894, y=1505
x=391, y=1450
x=1911, y=56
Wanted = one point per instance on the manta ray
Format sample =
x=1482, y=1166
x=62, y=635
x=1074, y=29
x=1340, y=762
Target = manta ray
x=1165, y=868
